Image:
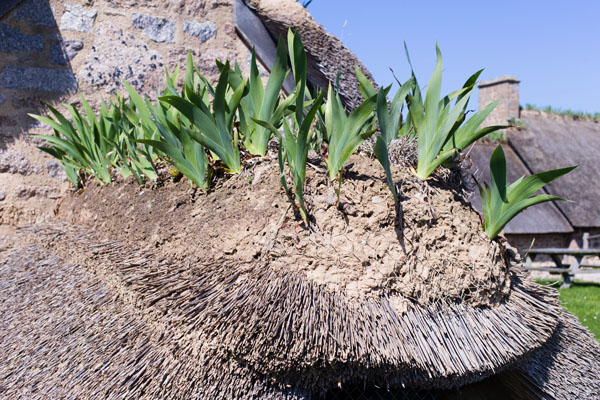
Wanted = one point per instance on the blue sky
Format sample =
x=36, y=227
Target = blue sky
x=552, y=47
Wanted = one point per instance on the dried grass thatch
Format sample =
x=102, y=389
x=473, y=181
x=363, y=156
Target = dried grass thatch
x=566, y=367
x=64, y=333
x=231, y=329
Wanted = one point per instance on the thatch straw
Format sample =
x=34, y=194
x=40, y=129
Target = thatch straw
x=280, y=325
x=64, y=334
x=567, y=366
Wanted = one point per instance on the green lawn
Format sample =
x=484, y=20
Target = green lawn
x=581, y=299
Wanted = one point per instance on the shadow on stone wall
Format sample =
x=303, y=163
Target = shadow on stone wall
x=34, y=65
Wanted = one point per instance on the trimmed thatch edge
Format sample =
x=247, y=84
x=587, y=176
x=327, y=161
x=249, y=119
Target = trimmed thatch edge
x=66, y=335
x=566, y=366
x=262, y=319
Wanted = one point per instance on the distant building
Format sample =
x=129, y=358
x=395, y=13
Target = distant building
x=544, y=141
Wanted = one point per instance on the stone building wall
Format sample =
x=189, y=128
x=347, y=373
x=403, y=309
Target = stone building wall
x=557, y=240
x=505, y=89
x=524, y=241
x=51, y=50
x=54, y=51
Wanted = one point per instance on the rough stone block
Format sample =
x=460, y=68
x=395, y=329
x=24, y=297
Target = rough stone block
x=44, y=79
x=2, y=195
x=63, y=51
x=155, y=28
x=201, y=30
x=19, y=102
x=34, y=12
x=77, y=18
x=6, y=121
x=55, y=170
x=12, y=40
x=26, y=191
x=116, y=56
x=183, y=8
x=14, y=162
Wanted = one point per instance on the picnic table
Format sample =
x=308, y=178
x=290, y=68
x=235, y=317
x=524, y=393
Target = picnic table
x=564, y=267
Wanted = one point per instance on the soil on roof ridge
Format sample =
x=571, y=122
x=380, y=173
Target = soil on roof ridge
x=436, y=252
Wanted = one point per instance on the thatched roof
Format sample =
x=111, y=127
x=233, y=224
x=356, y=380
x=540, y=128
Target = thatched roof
x=543, y=218
x=89, y=317
x=560, y=369
x=327, y=56
x=545, y=142
x=106, y=320
x=67, y=333
x=554, y=141
x=90, y=313
x=7, y=5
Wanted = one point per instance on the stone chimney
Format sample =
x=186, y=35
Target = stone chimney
x=505, y=89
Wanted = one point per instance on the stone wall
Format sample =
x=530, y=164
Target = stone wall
x=54, y=51
x=524, y=242
x=558, y=240
x=505, y=89
x=50, y=50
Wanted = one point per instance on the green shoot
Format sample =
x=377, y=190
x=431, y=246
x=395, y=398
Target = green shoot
x=294, y=142
x=214, y=129
x=137, y=160
x=263, y=103
x=500, y=203
x=79, y=145
x=390, y=125
x=440, y=136
x=165, y=132
x=389, y=117
x=345, y=133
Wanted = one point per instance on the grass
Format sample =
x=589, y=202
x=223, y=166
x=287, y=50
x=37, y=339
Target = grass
x=581, y=299
x=569, y=113
x=495, y=137
x=517, y=123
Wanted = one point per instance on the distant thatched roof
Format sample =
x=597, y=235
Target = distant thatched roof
x=554, y=141
x=120, y=323
x=547, y=142
x=543, y=218
x=327, y=56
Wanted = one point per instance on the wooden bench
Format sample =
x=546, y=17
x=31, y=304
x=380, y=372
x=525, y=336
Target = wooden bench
x=567, y=270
